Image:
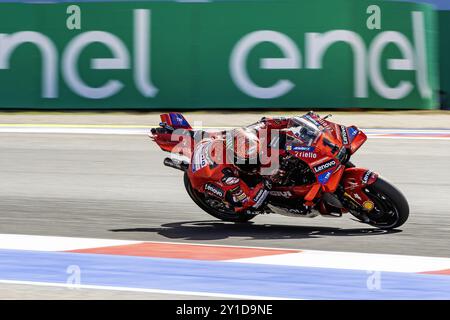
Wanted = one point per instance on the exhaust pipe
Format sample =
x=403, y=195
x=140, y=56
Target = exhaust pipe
x=176, y=164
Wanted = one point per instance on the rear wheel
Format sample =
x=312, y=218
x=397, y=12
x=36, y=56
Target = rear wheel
x=222, y=214
x=391, y=209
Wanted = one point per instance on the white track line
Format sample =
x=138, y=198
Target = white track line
x=46, y=243
x=405, y=137
x=64, y=130
x=141, y=290
x=142, y=130
x=57, y=243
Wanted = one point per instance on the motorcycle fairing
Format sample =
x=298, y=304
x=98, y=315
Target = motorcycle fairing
x=355, y=180
x=357, y=141
x=175, y=120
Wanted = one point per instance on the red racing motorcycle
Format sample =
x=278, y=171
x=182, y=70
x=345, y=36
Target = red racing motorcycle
x=317, y=177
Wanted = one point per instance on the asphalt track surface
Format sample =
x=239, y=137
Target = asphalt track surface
x=116, y=187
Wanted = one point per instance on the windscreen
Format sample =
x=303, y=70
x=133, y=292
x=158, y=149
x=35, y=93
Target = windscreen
x=303, y=129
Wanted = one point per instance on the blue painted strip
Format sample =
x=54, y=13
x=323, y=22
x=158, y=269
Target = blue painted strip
x=218, y=277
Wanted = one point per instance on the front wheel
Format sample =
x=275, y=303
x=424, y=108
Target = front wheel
x=222, y=214
x=391, y=208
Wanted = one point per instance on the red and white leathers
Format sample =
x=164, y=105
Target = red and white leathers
x=213, y=172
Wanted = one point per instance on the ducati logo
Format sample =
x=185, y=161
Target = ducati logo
x=344, y=135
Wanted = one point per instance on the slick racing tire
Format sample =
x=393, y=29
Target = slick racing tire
x=199, y=200
x=391, y=207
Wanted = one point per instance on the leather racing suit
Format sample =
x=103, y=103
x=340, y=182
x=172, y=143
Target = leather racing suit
x=211, y=173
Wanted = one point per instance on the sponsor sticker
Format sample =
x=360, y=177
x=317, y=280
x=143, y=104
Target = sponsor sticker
x=311, y=119
x=303, y=148
x=199, y=159
x=344, y=134
x=199, y=162
x=325, y=124
x=366, y=177
x=352, y=131
x=259, y=195
x=178, y=120
x=294, y=147
x=230, y=180
x=214, y=190
x=311, y=155
x=324, y=166
x=368, y=205
x=324, y=177
x=241, y=197
x=235, y=189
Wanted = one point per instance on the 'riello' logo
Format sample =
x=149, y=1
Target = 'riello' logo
x=69, y=63
x=367, y=61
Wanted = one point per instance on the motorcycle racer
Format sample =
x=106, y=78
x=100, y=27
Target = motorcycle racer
x=218, y=165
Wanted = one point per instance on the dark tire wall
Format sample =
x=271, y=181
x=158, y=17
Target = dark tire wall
x=230, y=217
x=397, y=197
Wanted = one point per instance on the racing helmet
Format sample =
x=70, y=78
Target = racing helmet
x=243, y=145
